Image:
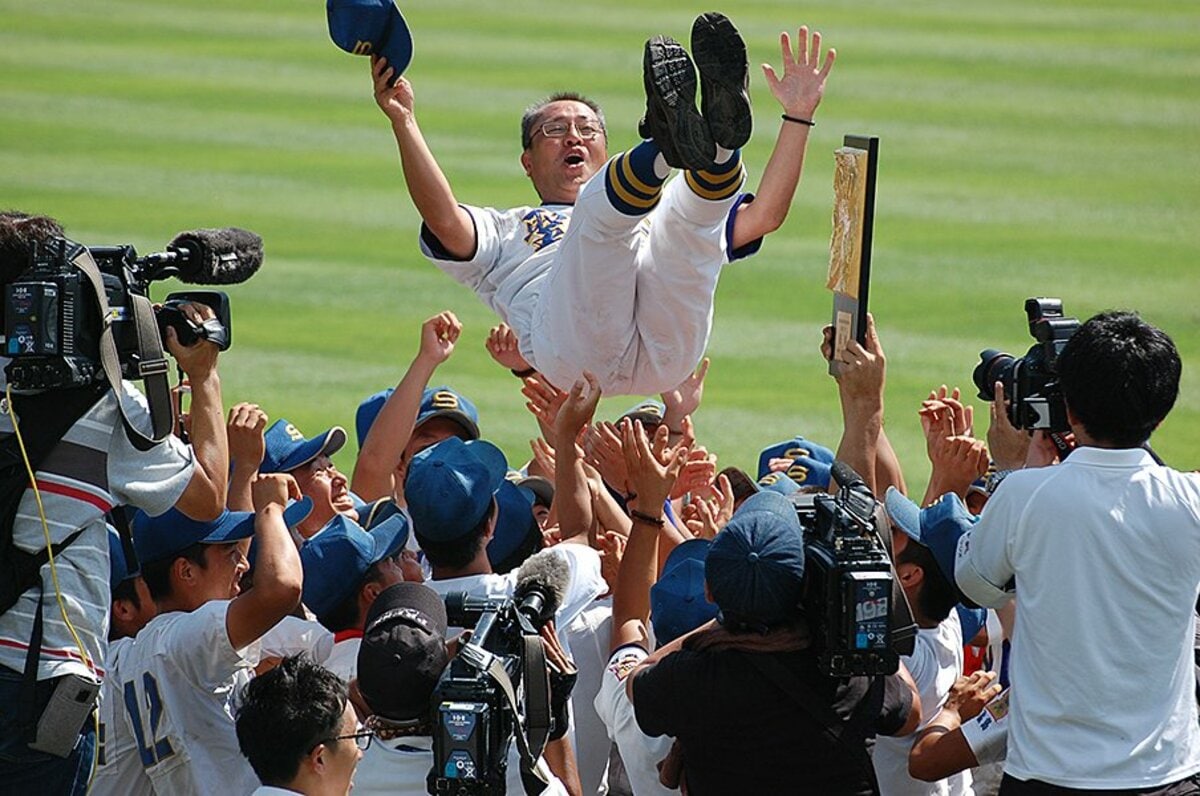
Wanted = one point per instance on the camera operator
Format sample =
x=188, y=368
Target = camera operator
x=720, y=689
x=1104, y=553
x=93, y=468
x=403, y=654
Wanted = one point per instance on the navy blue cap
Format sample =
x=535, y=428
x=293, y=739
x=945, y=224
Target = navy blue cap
x=336, y=559
x=515, y=525
x=778, y=482
x=677, y=601
x=435, y=402
x=798, y=448
x=450, y=487
x=118, y=567
x=159, y=538
x=937, y=527
x=650, y=412
x=371, y=27
x=755, y=568
x=287, y=449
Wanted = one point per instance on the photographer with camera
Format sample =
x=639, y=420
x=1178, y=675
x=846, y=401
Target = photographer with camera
x=1103, y=551
x=92, y=466
x=403, y=656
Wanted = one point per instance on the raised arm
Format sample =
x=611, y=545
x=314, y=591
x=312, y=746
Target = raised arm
x=427, y=185
x=204, y=497
x=571, y=495
x=799, y=92
x=860, y=382
x=375, y=469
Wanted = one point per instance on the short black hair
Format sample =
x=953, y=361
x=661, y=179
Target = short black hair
x=157, y=574
x=457, y=553
x=1120, y=377
x=282, y=714
x=938, y=595
x=344, y=616
x=534, y=112
x=20, y=234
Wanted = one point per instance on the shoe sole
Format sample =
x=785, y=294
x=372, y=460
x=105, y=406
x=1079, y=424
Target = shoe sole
x=724, y=68
x=670, y=78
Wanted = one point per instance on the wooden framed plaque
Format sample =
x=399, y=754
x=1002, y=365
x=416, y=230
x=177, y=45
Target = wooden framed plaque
x=850, y=243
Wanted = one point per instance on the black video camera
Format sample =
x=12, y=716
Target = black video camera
x=1035, y=400
x=859, y=616
x=474, y=717
x=52, y=316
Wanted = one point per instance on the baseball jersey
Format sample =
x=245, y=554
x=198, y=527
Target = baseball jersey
x=119, y=770
x=935, y=664
x=93, y=468
x=179, y=680
x=987, y=733
x=639, y=752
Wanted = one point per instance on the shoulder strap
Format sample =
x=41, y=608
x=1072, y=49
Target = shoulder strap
x=152, y=365
x=834, y=725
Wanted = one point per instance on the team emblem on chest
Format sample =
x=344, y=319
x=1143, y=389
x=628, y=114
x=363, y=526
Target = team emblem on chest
x=543, y=227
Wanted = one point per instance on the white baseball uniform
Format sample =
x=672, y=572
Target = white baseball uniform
x=119, y=769
x=587, y=287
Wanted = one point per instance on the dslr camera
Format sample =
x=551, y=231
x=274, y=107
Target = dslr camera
x=52, y=315
x=485, y=695
x=859, y=617
x=1035, y=400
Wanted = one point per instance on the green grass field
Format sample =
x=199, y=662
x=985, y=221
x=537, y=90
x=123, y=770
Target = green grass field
x=1027, y=148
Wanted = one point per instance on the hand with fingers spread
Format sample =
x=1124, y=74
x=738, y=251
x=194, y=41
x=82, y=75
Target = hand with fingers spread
x=502, y=345
x=713, y=512
x=800, y=89
x=1008, y=444
x=438, y=336
x=543, y=459
x=684, y=400
x=957, y=461
x=697, y=475
x=653, y=466
x=602, y=450
x=543, y=400
x=941, y=401
x=971, y=693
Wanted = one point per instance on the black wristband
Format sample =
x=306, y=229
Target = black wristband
x=524, y=374
x=658, y=522
x=798, y=120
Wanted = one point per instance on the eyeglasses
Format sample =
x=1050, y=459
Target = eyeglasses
x=587, y=130
x=362, y=738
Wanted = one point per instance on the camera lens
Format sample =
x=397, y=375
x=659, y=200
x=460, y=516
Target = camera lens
x=993, y=366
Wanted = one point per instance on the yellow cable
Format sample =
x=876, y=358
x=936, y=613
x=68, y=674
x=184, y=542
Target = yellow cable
x=62, y=606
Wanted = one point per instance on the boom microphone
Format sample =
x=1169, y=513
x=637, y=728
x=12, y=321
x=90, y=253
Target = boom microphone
x=542, y=583
x=844, y=475
x=225, y=256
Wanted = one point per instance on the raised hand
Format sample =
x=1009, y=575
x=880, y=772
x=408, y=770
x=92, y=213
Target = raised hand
x=438, y=336
x=802, y=85
x=1008, y=444
x=653, y=466
x=684, y=400
x=862, y=369
x=502, y=345
x=577, y=409
x=396, y=101
x=245, y=428
x=543, y=400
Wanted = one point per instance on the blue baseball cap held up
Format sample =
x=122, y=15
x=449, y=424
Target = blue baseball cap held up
x=371, y=27
x=337, y=558
x=450, y=487
x=287, y=449
x=755, y=567
x=159, y=538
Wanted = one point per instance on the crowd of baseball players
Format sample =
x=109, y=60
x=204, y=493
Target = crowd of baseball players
x=293, y=643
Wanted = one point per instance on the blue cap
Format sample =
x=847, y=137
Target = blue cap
x=807, y=452
x=755, y=568
x=937, y=527
x=371, y=27
x=336, y=559
x=677, y=601
x=118, y=567
x=516, y=527
x=778, y=482
x=650, y=412
x=287, y=449
x=435, y=402
x=159, y=538
x=450, y=487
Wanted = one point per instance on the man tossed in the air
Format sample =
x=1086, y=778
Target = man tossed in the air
x=616, y=269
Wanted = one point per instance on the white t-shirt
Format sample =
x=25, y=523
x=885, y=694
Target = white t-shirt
x=639, y=752
x=935, y=664
x=586, y=584
x=343, y=661
x=92, y=469
x=401, y=765
x=1105, y=552
x=987, y=733
x=588, y=638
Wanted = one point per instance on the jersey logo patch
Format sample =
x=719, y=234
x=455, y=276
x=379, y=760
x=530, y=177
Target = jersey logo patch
x=625, y=664
x=543, y=227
